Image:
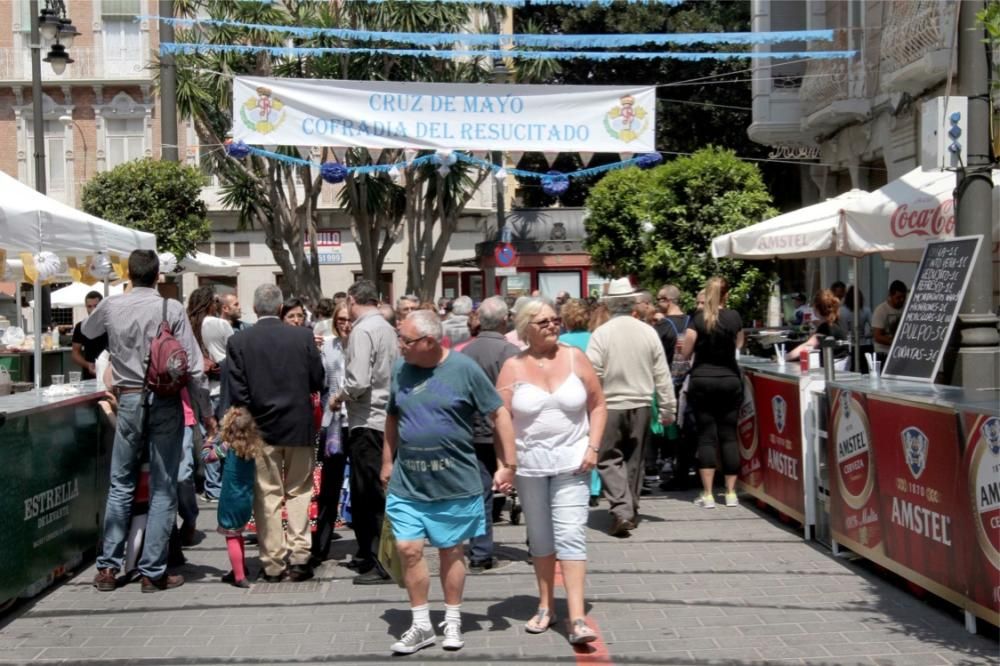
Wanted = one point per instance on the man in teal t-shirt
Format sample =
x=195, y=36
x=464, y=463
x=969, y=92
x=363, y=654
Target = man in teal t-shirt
x=434, y=489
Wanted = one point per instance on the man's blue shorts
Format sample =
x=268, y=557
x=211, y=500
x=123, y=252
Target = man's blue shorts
x=445, y=523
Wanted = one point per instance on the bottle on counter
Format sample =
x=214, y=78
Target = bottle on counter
x=47, y=340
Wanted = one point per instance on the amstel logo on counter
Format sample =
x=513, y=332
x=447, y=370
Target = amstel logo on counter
x=981, y=471
x=984, y=480
x=854, y=506
x=779, y=409
x=915, y=445
x=750, y=466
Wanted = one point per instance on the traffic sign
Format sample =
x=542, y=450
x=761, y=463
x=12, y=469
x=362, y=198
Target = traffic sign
x=505, y=254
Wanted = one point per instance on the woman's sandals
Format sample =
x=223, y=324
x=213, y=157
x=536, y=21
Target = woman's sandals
x=540, y=623
x=581, y=633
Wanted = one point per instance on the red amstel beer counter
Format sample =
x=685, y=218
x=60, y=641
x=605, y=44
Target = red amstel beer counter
x=915, y=485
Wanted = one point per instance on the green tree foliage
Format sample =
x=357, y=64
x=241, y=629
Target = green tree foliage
x=688, y=202
x=163, y=198
x=282, y=200
x=698, y=103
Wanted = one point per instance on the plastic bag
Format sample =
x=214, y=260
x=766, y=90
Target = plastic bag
x=387, y=555
x=334, y=437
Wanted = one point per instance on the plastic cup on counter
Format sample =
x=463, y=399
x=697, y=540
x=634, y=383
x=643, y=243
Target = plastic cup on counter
x=875, y=373
x=75, y=377
x=58, y=380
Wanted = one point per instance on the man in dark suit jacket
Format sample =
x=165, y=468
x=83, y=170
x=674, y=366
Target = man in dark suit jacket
x=273, y=369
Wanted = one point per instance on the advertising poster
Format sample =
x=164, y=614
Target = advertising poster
x=854, y=505
x=751, y=469
x=780, y=441
x=919, y=454
x=979, y=490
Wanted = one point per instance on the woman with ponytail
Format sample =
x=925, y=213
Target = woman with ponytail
x=716, y=388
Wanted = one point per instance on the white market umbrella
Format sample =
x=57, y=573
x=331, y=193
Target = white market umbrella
x=807, y=232
x=898, y=219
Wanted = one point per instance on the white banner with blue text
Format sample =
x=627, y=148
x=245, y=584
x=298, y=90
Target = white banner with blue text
x=451, y=116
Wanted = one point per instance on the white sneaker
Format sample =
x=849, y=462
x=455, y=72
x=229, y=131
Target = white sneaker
x=732, y=499
x=413, y=639
x=705, y=501
x=452, y=636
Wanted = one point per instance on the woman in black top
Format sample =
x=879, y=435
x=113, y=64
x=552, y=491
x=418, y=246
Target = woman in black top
x=826, y=306
x=716, y=388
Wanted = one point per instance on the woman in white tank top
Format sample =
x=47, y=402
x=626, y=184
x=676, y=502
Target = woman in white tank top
x=558, y=410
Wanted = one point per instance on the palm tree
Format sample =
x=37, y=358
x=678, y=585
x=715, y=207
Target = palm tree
x=264, y=192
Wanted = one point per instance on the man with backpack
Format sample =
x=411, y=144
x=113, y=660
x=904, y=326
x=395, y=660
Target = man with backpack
x=154, y=355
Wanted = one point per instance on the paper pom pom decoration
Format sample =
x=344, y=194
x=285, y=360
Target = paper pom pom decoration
x=237, y=149
x=445, y=157
x=500, y=174
x=47, y=265
x=333, y=172
x=395, y=175
x=100, y=266
x=168, y=262
x=443, y=170
x=555, y=183
x=648, y=160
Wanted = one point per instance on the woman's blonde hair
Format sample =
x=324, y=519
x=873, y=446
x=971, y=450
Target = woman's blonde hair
x=525, y=314
x=575, y=314
x=239, y=432
x=337, y=308
x=715, y=294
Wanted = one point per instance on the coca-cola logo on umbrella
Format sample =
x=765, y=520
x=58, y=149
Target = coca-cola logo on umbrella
x=934, y=220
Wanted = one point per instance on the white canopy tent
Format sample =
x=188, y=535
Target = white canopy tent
x=207, y=264
x=74, y=295
x=32, y=222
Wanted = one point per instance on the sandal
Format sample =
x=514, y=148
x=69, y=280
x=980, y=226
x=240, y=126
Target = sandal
x=540, y=616
x=581, y=633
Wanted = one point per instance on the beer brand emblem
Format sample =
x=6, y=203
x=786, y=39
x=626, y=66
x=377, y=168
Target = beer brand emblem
x=915, y=446
x=851, y=433
x=780, y=409
x=264, y=113
x=991, y=434
x=627, y=121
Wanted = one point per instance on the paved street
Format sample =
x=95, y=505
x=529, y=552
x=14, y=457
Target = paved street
x=691, y=586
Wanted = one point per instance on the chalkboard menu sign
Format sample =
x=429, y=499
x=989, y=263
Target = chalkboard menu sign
x=931, y=309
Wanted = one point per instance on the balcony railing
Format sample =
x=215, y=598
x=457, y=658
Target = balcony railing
x=915, y=28
x=90, y=64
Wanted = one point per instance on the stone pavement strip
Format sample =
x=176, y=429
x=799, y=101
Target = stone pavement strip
x=690, y=586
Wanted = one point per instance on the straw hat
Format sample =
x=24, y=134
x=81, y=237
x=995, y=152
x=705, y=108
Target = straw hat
x=621, y=287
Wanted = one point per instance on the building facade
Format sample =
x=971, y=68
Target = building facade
x=103, y=111
x=860, y=119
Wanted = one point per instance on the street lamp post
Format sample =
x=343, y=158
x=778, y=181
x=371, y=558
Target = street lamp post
x=53, y=23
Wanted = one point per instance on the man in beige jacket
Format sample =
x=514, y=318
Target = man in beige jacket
x=628, y=357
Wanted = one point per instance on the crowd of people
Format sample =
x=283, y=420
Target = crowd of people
x=436, y=410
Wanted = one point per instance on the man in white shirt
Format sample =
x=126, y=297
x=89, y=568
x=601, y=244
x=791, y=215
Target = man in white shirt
x=886, y=318
x=629, y=360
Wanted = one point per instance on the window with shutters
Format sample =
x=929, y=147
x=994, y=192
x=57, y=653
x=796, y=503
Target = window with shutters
x=125, y=139
x=55, y=156
x=122, y=40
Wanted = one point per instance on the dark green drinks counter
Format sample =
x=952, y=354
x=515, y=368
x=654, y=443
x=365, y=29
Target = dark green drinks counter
x=53, y=481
